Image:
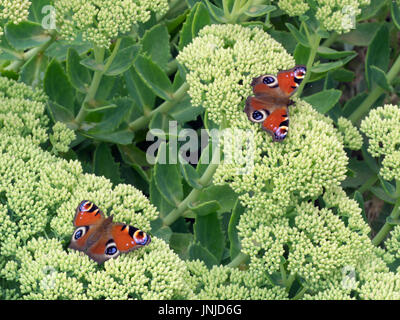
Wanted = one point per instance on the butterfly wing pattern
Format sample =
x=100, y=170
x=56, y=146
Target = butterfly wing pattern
x=269, y=105
x=102, y=239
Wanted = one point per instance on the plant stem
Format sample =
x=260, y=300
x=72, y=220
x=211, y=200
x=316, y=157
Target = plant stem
x=98, y=75
x=238, y=260
x=204, y=181
x=142, y=121
x=289, y=282
x=375, y=94
x=387, y=227
x=300, y=294
x=314, y=41
x=332, y=38
x=368, y=184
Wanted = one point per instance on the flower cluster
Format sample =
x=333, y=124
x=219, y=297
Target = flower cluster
x=382, y=127
x=225, y=283
x=297, y=218
x=100, y=21
x=62, y=137
x=39, y=193
x=339, y=16
x=14, y=11
x=222, y=61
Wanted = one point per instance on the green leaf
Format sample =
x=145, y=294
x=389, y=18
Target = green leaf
x=196, y=20
x=26, y=35
x=353, y=103
x=163, y=206
x=174, y=23
x=155, y=44
x=123, y=136
x=183, y=111
x=164, y=233
x=378, y=53
x=358, y=173
x=325, y=100
x=35, y=10
x=301, y=54
x=216, y=12
x=205, y=208
x=59, y=48
x=378, y=76
x=168, y=179
x=369, y=11
x=106, y=86
x=132, y=155
x=208, y=232
x=179, y=242
x=233, y=234
x=388, y=187
x=32, y=72
x=342, y=75
x=360, y=200
x=259, y=10
x=59, y=113
x=381, y=194
x=105, y=165
x=92, y=64
x=325, y=67
x=154, y=77
x=395, y=11
x=201, y=18
x=57, y=85
x=300, y=37
x=78, y=75
x=138, y=90
x=362, y=36
x=224, y=194
x=285, y=38
x=160, y=121
x=113, y=115
x=190, y=175
x=329, y=53
x=197, y=251
x=122, y=61
x=369, y=160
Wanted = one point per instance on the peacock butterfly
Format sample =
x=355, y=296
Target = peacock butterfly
x=271, y=100
x=100, y=238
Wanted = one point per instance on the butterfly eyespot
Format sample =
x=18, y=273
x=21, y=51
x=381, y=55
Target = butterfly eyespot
x=85, y=205
x=300, y=72
x=140, y=237
x=270, y=81
x=259, y=115
x=111, y=249
x=80, y=232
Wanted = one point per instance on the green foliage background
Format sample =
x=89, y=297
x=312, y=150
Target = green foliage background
x=105, y=83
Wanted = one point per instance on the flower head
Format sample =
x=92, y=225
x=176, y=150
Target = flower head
x=382, y=127
x=339, y=16
x=100, y=21
x=39, y=193
x=14, y=11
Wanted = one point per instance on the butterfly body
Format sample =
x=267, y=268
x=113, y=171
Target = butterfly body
x=271, y=100
x=100, y=238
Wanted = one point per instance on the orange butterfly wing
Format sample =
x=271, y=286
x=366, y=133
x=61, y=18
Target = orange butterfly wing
x=270, y=104
x=128, y=238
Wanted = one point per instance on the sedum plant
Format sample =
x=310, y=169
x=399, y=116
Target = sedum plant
x=88, y=88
